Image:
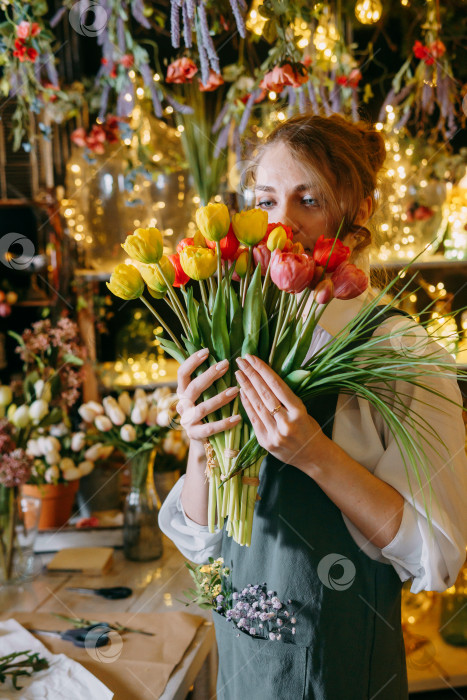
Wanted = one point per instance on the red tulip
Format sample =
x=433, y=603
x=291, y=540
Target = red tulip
x=280, y=76
x=181, y=71
x=262, y=256
x=184, y=242
x=349, y=281
x=214, y=81
x=25, y=30
x=127, y=60
x=229, y=244
x=180, y=276
x=322, y=253
x=324, y=291
x=291, y=272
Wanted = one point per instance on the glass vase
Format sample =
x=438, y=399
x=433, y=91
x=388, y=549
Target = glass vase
x=453, y=615
x=142, y=538
x=19, y=520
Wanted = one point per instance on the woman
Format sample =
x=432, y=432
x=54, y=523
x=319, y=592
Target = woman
x=336, y=529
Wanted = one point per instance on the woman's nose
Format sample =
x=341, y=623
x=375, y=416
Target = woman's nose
x=284, y=215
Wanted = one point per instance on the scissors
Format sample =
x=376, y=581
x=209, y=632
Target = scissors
x=113, y=593
x=92, y=636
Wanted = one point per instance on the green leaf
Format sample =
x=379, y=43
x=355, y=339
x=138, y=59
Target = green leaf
x=236, y=334
x=73, y=360
x=220, y=335
x=234, y=303
x=204, y=325
x=263, y=349
x=252, y=314
x=300, y=348
x=55, y=416
x=282, y=350
x=191, y=347
x=296, y=378
x=173, y=350
x=192, y=311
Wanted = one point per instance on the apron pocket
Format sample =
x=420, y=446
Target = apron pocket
x=250, y=667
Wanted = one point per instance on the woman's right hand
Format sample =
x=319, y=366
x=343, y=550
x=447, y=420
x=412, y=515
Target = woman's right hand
x=189, y=390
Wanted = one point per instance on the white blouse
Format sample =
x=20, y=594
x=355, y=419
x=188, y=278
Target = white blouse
x=431, y=559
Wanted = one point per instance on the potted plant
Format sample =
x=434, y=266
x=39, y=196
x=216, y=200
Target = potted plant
x=136, y=426
x=61, y=458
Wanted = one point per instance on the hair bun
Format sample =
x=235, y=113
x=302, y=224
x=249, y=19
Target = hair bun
x=374, y=146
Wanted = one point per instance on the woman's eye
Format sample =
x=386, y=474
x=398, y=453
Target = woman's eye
x=310, y=201
x=266, y=203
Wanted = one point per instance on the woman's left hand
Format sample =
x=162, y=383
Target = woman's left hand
x=290, y=433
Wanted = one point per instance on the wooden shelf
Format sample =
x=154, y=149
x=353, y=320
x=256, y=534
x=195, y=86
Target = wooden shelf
x=92, y=275
x=37, y=302
x=434, y=262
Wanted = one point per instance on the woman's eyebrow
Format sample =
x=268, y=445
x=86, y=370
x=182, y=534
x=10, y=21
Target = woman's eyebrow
x=268, y=188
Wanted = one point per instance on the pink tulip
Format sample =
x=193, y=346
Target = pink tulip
x=261, y=256
x=291, y=272
x=349, y=281
x=324, y=291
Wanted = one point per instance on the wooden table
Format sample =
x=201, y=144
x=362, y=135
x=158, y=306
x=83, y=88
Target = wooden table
x=156, y=586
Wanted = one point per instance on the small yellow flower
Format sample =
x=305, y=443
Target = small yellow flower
x=153, y=277
x=213, y=221
x=250, y=226
x=198, y=263
x=276, y=238
x=126, y=282
x=144, y=245
x=206, y=569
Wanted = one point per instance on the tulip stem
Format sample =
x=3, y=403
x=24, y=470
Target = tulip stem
x=285, y=321
x=175, y=300
x=267, y=278
x=302, y=303
x=248, y=271
x=203, y=294
x=219, y=263
x=163, y=323
x=278, y=325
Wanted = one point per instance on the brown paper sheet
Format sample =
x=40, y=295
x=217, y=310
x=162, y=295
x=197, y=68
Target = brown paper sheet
x=135, y=668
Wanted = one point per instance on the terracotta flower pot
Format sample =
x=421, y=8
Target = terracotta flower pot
x=57, y=502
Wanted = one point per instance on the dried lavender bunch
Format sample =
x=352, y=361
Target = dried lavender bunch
x=194, y=16
x=259, y=612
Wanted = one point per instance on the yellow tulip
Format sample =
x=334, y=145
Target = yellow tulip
x=199, y=240
x=250, y=226
x=126, y=282
x=153, y=277
x=213, y=221
x=144, y=245
x=241, y=264
x=156, y=295
x=198, y=263
x=276, y=238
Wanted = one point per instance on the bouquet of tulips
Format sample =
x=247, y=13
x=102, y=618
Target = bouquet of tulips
x=255, y=283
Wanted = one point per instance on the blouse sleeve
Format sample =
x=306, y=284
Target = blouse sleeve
x=431, y=557
x=194, y=541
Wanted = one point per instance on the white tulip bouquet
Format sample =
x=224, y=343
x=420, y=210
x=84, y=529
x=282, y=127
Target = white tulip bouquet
x=61, y=455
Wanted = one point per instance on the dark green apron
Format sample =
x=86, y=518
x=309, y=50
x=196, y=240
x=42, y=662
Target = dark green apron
x=348, y=643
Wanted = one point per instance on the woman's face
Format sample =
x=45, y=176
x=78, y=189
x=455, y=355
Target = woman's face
x=283, y=190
